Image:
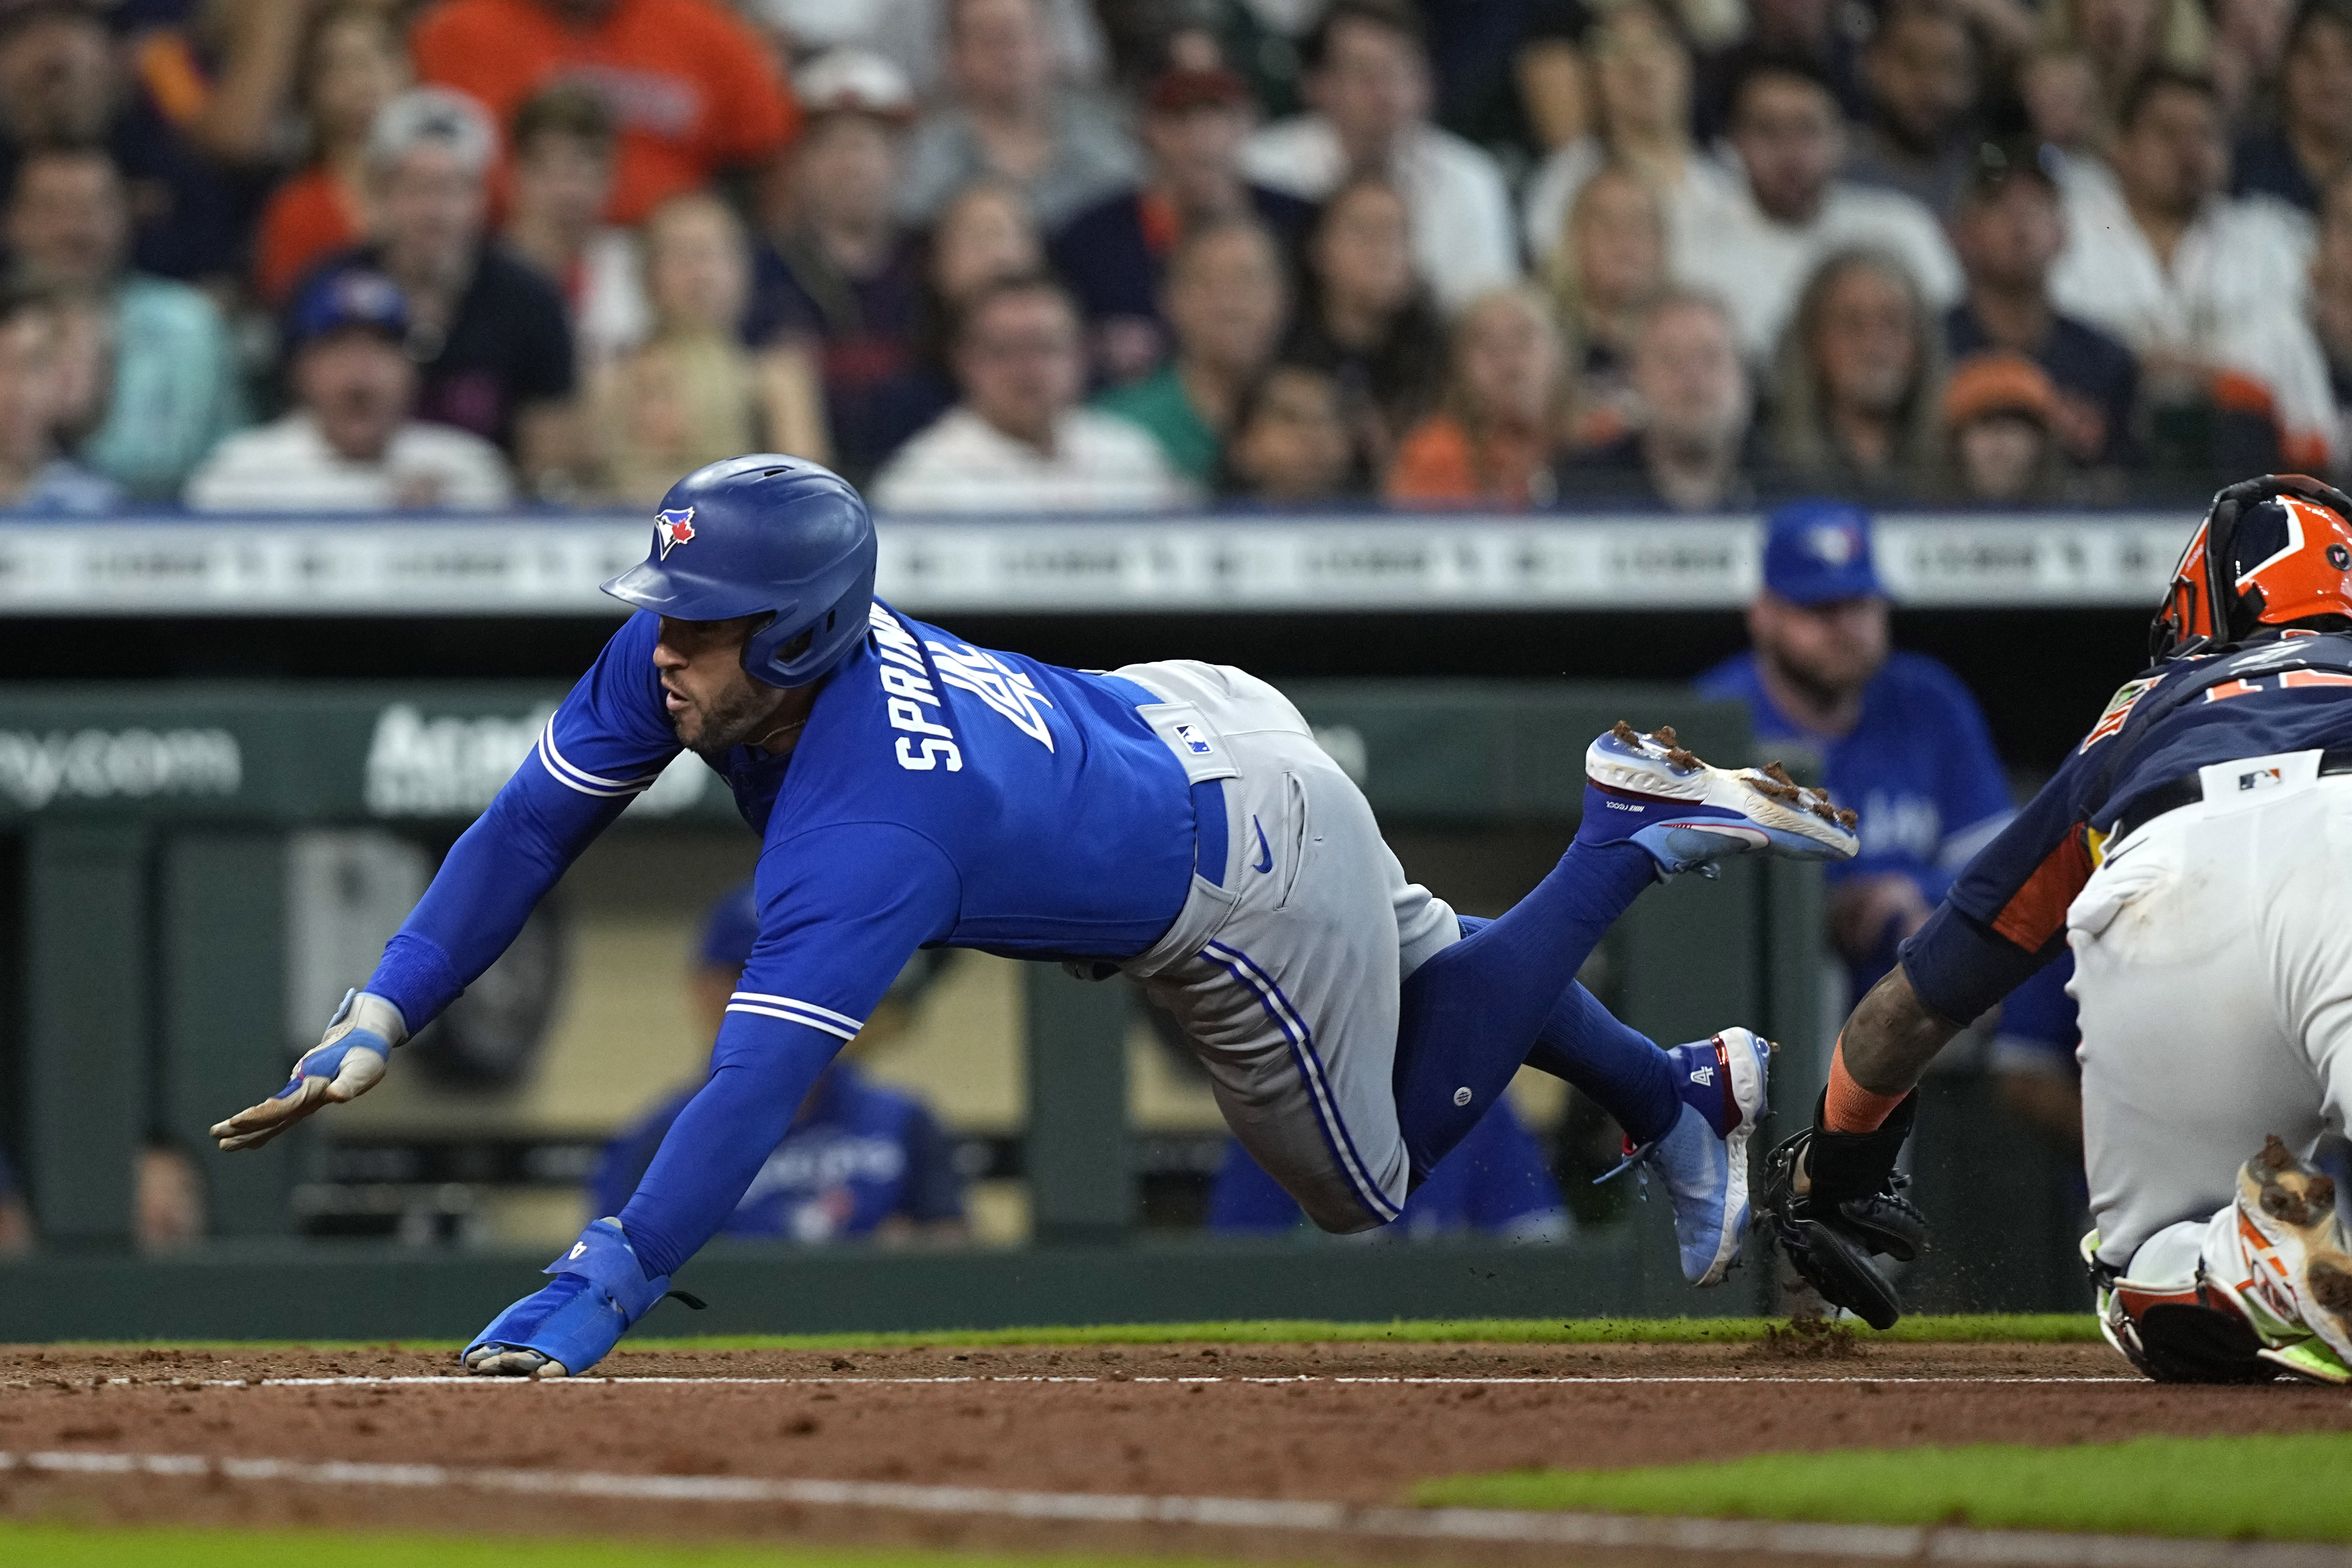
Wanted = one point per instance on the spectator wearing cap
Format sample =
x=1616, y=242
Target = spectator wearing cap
x=862, y=1161
x=350, y=443
x=693, y=89
x=1019, y=441
x=352, y=64
x=187, y=139
x=486, y=329
x=1496, y=1182
x=1893, y=735
x=2008, y=229
x=174, y=388
x=1925, y=73
x=1115, y=254
x=34, y=478
x=1692, y=448
x=2000, y=415
x=835, y=279
x=1227, y=299
x=2208, y=291
x=1367, y=80
x=2293, y=160
x=1794, y=210
x=1009, y=119
x=560, y=183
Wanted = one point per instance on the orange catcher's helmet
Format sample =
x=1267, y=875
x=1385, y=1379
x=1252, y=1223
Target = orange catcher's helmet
x=2272, y=551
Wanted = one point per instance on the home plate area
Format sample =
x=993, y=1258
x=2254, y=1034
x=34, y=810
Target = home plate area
x=1290, y=1452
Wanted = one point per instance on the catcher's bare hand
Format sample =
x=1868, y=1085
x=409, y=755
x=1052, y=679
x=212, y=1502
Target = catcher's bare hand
x=345, y=1064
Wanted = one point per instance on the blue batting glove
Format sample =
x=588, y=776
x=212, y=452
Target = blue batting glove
x=345, y=1064
x=567, y=1327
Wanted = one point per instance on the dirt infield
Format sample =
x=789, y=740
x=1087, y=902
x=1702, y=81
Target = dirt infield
x=1352, y=1424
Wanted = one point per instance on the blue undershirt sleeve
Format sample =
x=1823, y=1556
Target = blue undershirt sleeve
x=605, y=745
x=841, y=911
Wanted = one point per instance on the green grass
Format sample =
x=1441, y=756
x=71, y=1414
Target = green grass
x=2048, y=1327
x=59, y=1546
x=2284, y=1488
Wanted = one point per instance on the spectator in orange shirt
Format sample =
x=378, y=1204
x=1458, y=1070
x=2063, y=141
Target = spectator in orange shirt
x=1493, y=441
x=351, y=67
x=692, y=87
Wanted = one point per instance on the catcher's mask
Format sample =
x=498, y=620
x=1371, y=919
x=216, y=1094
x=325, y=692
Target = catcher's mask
x=2272, y=551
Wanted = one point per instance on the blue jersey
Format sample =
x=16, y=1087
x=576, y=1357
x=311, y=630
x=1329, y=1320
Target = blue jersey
x=1918, y=765
x=858, y=1153
x=939, y=793
x=2006, y=915
x=1495, y=1179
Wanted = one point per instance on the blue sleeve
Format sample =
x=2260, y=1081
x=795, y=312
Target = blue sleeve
x=1509, y=1177
x=608, y=742
x=1973, y=789
x=2005, y=916
x=1243, y=1198
x=841, y=911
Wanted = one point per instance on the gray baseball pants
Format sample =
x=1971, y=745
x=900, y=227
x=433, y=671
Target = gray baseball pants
x=1284, y=972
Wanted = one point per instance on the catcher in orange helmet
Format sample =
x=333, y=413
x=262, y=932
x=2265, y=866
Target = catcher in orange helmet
x=2195, y=851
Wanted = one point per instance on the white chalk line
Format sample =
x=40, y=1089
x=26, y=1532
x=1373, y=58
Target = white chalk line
x=1912, y=1543
x=464, y=1380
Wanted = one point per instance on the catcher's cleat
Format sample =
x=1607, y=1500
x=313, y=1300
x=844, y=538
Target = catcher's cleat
x=2285, y=1256
x=1703, y=1159
x=1647, y=790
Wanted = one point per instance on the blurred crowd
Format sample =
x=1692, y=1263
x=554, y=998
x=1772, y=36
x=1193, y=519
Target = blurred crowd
x=992, y=254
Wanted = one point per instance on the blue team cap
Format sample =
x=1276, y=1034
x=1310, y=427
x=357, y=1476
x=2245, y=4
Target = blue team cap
x=730, y=930
x=1817, y=550
x=349, y=297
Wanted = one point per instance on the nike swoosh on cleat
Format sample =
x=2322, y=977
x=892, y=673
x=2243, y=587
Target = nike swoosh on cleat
x=1265, y=855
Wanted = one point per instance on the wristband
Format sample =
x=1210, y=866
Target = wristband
x=1846, y=1105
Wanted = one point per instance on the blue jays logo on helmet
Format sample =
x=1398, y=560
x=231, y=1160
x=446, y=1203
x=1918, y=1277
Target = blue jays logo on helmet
x=673, y=528
x=776, y=538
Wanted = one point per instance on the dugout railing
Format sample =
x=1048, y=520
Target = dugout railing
x=146, y=829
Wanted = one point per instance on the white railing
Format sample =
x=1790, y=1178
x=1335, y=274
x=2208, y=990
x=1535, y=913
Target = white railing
x=550, y=563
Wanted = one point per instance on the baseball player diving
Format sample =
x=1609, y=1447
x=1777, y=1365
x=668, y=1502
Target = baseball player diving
x=2195, y=851
x=1173, y=821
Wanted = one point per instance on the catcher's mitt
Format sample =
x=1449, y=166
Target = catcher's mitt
x=1851, y=1214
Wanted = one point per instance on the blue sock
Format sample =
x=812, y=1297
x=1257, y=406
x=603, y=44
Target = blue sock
x=1614, y=1064
x=1469, y=1016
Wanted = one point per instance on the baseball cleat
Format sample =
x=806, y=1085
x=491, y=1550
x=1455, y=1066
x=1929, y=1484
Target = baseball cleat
x=2295, y=1259
x=507, y=1361
x=1704, y=1159
x=1646, y=789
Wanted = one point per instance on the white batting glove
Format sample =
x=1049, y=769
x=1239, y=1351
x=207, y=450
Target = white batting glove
x=345, y=1064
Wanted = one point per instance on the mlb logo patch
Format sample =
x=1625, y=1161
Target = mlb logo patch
x=672, y=528
x=1193, y=740
x=2259, y=778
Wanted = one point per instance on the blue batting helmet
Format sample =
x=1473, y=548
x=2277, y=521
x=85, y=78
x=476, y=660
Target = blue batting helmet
x=764, y=535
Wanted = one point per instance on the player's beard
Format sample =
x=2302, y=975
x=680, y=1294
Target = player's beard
x=1823, y=689
x=743, y=712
